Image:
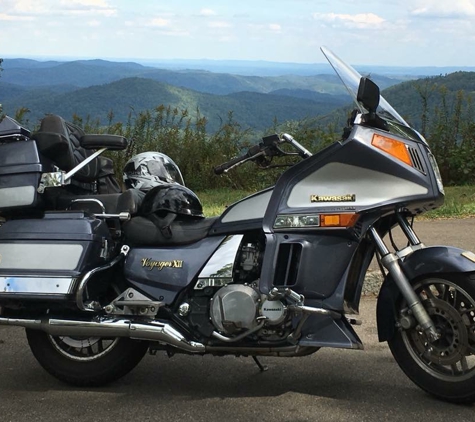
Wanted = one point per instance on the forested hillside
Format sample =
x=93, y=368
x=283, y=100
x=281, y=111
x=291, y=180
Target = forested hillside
x=132, y=95
x=414, y=98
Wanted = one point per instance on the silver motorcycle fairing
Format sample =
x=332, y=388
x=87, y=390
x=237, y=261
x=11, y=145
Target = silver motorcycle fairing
x=353, y=168
x=250, y=208
x=357, y=180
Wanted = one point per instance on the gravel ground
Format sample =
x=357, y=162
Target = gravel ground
x=372, y=283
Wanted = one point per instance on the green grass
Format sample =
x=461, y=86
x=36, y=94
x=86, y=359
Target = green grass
x=459, y=202
x=215, y=201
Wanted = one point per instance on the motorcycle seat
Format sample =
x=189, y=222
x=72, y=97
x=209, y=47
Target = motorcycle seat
x=140, y=231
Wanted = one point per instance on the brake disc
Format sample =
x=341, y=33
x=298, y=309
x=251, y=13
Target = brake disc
x=452, y=345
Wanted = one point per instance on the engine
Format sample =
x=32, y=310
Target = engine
x=234, y=308
x=237, y=306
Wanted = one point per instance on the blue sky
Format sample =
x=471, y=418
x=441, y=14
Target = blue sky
x=389, y=32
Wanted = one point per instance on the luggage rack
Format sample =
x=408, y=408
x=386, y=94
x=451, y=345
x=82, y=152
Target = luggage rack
x=122, y=216
x=61, y=178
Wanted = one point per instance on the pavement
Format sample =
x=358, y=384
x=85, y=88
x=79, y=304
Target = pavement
x=330, y=385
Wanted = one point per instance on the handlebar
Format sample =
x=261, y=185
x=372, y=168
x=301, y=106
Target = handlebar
x=269, y=147
x=252, y=153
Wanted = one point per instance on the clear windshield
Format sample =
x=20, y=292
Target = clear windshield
x=351, y=79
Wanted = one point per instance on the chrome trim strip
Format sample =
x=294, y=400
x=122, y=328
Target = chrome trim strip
x=37, y=285
x=40, y=256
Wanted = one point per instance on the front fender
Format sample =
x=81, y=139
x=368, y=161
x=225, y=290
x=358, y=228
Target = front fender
x=430, y=261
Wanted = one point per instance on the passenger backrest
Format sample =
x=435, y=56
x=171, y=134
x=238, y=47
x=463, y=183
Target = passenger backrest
x=58, y=140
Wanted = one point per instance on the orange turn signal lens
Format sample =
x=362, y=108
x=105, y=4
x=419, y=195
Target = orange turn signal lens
x=338, y=220
x=393, y=147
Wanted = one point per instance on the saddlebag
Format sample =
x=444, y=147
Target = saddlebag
x=20, y=173
x=45, y=257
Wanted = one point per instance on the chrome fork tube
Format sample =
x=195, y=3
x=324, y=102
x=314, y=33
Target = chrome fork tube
x=407, y=230
x=391, y=262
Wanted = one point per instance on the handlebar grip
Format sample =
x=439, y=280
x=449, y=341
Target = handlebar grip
x=223, y=167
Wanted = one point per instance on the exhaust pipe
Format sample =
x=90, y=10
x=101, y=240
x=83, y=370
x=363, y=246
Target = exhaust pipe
x=108, y=327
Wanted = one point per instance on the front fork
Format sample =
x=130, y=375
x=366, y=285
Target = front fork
x=391, y=260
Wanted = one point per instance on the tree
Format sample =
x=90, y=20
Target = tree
x=425, y=88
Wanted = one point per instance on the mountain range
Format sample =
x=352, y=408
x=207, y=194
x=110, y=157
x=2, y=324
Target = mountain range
x=96, y=87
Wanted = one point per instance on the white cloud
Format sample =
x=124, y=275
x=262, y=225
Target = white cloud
x=259, y=29
x=87, y=7
x=161, y=22
x=27, y=7
x=227, y=39
x=207, y=12
x=88, y=3
x=219, y=24
x=7, y=17
x=360, y=20
x=454, y=9
x=40, y=8
x=175, y=33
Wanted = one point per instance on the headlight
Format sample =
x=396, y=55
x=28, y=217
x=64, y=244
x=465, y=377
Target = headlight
x=438, y=177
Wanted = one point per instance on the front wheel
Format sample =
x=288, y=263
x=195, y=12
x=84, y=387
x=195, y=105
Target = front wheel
x=85, y=362
x=444, y=368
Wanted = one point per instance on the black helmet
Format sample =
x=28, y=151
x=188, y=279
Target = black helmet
x=171, y=198
x=149, y=169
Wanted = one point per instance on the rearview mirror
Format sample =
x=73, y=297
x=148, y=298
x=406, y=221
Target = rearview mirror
x=368, y=94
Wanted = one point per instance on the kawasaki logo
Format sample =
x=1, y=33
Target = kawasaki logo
x=333, y=198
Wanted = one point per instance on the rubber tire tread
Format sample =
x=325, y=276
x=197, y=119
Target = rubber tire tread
x=124, y=357
x=462, y=392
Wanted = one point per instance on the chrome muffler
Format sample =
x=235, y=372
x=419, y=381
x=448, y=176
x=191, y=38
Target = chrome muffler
x=110, y=327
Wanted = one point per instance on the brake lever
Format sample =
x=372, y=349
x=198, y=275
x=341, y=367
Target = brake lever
x=252, y=157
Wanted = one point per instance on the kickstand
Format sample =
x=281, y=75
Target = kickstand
x=262, y=368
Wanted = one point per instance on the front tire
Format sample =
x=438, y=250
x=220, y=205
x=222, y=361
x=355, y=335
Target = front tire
x=444, y=368
x=85, y=362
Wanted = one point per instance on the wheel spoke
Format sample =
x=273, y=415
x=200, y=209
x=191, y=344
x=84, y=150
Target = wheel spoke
x=464, y=364
x=428, y=291
x=454, y=368
x=441, y=290
x=455, y=295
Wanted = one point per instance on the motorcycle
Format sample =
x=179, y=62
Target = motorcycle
x=97, y=280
